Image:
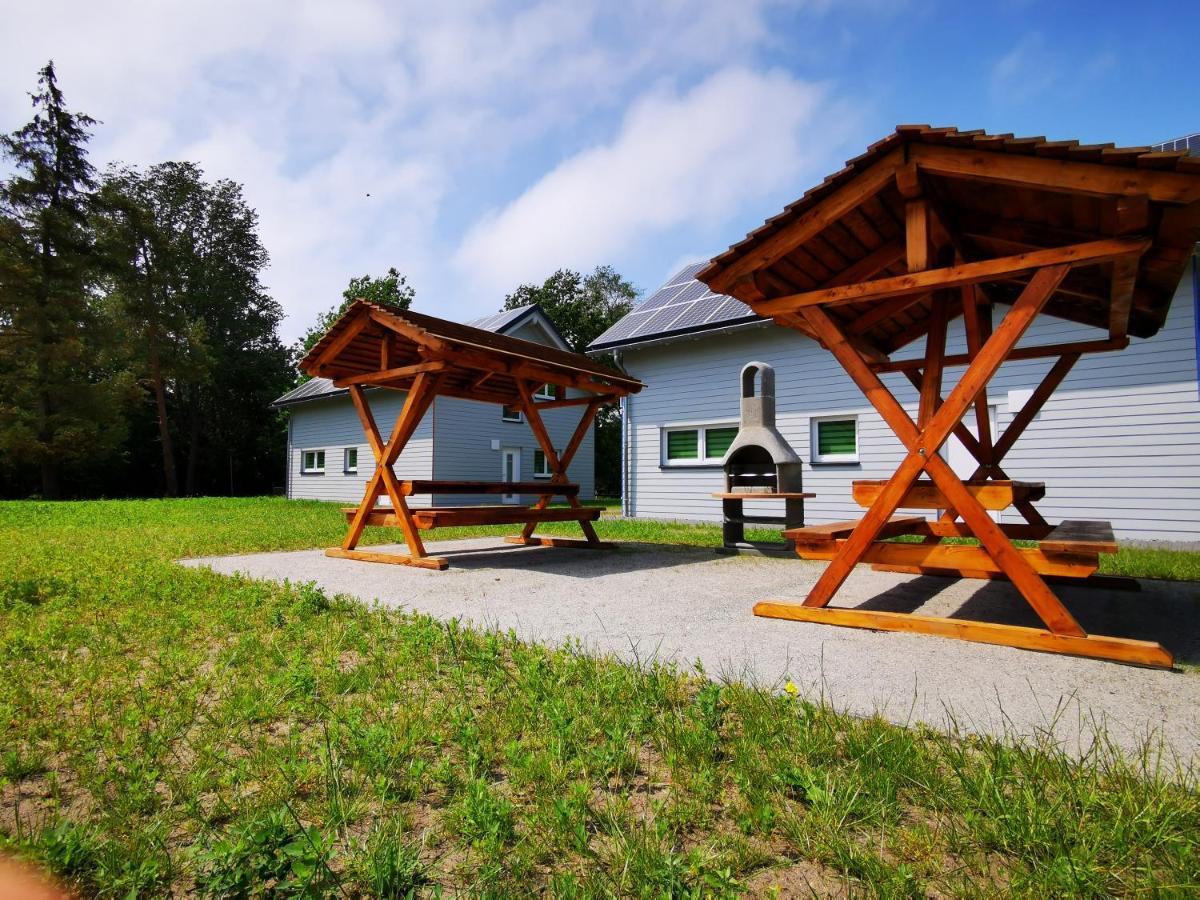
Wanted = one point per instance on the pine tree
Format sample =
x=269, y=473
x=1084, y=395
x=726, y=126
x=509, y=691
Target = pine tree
x=58, y=411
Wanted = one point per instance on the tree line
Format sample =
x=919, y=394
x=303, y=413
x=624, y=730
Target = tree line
x=139, y=349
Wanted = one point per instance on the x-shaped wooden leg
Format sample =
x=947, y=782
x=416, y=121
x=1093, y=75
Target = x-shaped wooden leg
x=558, y=466
x=416, y=404
x=923, y=444
x=989, y=456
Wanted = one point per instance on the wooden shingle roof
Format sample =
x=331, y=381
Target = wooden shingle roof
x=384, y=346
x=993, y=195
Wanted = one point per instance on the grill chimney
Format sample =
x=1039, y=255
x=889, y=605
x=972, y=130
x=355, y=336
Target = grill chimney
x=760, y=461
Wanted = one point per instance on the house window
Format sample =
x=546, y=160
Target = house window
x=696, y=445
x=350, y=460
x=546, y=392
x=835, y=439
x=510, y=414
x=541, y=465
x=312, y=462
x=717, y=441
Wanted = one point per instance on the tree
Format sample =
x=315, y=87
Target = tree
x=59, y=408
x=392, y=289
x=184, y=260
x=582, y=308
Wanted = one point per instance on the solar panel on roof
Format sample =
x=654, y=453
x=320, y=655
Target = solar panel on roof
x=695, y=315
x=694, y=290
x=625, y=327
x=729, y=308
x=659, y=320
x=1190, y=143
x=686, y=274
x=661, y=297
x=680, y=305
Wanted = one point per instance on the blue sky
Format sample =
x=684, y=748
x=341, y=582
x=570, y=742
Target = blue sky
x=479, y=145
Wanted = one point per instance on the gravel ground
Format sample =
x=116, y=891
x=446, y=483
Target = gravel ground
x=648, y=602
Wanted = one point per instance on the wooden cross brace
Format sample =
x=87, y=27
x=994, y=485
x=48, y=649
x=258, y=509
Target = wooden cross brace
x=558, y=469
x=922, y=439
x=416, y=404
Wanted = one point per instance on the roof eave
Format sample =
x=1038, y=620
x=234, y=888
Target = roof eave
x=673, y=337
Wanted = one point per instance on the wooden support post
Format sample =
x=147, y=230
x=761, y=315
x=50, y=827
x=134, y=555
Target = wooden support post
x=558, y=465
x=416, y=403
x=1140, y=653
x=935, y=353
x=977, y=323
x=916, y=234
x=923, y=445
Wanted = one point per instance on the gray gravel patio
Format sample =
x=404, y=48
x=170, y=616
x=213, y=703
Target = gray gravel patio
x=648, y=602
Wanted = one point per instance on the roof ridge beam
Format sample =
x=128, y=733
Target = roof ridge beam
x=1067, y=175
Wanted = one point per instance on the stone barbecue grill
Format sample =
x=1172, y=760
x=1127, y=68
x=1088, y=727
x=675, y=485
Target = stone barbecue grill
x=760, y=465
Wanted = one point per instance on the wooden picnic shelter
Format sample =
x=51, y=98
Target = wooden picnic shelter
x=377, y=346
x=928, y=225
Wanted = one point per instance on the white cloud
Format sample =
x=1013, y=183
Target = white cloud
x=432, y=109
x=1034, y=68
x=678, y=158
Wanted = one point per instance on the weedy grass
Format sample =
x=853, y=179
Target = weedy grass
x=169, y=730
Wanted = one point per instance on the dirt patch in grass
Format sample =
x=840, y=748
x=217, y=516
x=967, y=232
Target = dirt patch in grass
x=796, y=879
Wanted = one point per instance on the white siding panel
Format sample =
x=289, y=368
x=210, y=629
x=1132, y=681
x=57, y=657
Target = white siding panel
x=465, y=429
x=461, y=431
x=332, y=425
x=1119, y=440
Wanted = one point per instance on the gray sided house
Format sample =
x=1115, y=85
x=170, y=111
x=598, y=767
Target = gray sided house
x=328, y=457
x=1119, y=441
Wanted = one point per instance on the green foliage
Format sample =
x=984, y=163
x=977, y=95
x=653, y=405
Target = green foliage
x=581, y=307
x=170, y=731
x=390, y=864
x=270, y=848
x=183, y=260
x=132, y=322
x=60, y=407
x=391, y=289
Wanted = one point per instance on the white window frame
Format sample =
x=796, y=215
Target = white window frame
x=700, y=428
x=505, y=418
x=346, y=467
x=546, y=392
x=314, y=469
x=545, y=461
x=832, y=458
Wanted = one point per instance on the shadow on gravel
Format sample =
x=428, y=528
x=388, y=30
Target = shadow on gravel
x=1163, y=611
x=571, y=562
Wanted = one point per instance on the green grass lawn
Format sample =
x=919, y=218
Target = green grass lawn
x=165, y=730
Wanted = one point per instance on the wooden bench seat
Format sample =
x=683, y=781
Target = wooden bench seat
x=925, y=494
x=835, y=531
x=448, y=516
x=425, y=486
x=1080, y=536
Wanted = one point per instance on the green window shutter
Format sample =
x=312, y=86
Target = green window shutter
x=836, y=438
x=683, y=444
x=717, y=441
